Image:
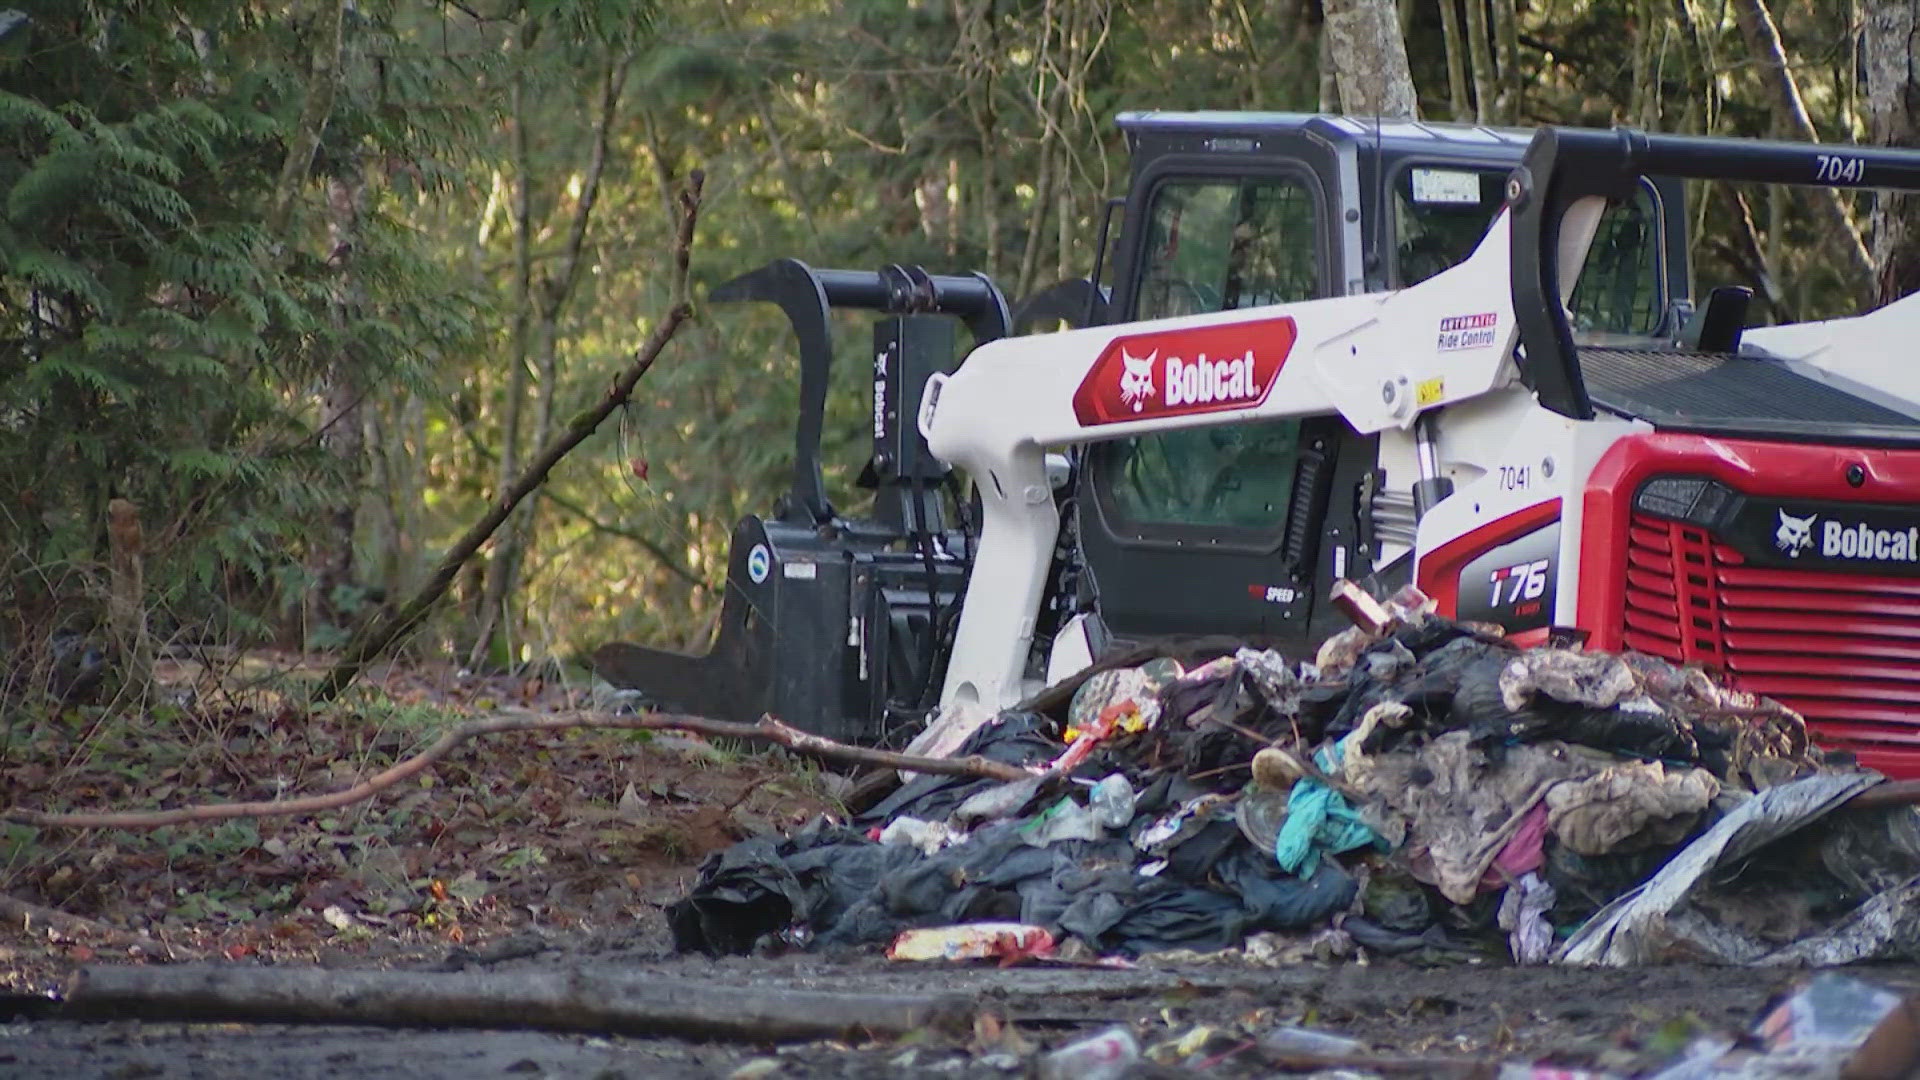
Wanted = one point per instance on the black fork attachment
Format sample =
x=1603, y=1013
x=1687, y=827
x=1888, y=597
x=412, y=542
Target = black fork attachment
x=836, y=625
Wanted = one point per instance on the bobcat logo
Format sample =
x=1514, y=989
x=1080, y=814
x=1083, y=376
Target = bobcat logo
x=1136, y=382
x=1795, y=534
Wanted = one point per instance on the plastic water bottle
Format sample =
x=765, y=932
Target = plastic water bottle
x=1111, y=801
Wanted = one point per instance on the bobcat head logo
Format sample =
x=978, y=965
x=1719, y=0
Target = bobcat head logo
x=1136, y=382
x=1795, y=534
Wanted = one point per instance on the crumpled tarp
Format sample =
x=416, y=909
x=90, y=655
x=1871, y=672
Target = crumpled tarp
x=1662, y=919
x=1628, y=807
x=1449, y=810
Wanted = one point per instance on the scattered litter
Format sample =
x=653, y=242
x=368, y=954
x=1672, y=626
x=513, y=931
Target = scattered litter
x=1105, y=1056
x=1007, y=942
x=1523, y=915
x=1287, y=1039
x=1864, y=1030
x=1111, y=800
x=1424, y=787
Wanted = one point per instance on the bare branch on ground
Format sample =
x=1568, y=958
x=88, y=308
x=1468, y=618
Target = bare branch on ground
x=767, y=729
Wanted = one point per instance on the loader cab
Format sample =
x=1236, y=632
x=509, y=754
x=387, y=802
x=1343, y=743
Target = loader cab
x=1240, y=529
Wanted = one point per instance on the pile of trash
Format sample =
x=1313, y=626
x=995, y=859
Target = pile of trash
x=1424, y=786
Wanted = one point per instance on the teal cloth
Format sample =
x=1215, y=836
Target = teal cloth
x=1319, y=819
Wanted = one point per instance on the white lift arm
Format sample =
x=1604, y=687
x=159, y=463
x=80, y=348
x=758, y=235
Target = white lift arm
x=1378, y=360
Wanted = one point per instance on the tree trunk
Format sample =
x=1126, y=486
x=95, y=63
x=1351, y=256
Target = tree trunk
x=342, y=420
x=127, y=597
x=1480, y=55
x=322, y=81
x=1456, y=60
x=550, y=303
x=1370, y=59
x=1643, y=109
x=1506, y=31
x=1893, y=109
x=1763, y=41
x=501, y=569
x=1329, y=99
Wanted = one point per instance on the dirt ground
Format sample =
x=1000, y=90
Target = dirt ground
x=1466, y=1014
x=554, y=851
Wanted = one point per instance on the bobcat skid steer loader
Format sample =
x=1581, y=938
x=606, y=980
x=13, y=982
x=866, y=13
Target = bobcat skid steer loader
x=1455, y=356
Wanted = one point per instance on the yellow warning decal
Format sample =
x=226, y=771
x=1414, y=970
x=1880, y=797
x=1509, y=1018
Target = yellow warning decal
x=1428, y=391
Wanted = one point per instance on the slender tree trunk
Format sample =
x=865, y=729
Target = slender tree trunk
x=1506, y=31
x=323, y=79
x=1642, y=108
x=1329, y=99
x=1763, y=41
x=551, y=300
x=1893, y=113
x=1043, y=182
x=1480, y=56
x=127, y=597
x=1456, y=60
x=501, y=570
x=1370, y=59
x=342, y=422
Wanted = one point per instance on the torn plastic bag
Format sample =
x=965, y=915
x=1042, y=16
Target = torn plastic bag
x=1013, y=738
x=1659, y=919
x=1523, y=915
x=1568, y=676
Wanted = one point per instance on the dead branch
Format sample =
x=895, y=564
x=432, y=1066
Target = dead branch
x=577, y=999
x=34, y=918
x=767, y=730
x=1763, y=40
x=374, y=639
x=38, y=920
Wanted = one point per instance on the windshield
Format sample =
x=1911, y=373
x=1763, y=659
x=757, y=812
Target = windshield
x=1441, y=213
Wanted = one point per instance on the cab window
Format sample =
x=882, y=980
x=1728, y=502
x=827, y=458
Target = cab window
x=1217, y=245
x=1442, y=213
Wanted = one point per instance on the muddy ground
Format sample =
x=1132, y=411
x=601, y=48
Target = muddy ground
x=532, y=852
x=1627, y=1019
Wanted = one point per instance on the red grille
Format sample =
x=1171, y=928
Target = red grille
x=1841, y=649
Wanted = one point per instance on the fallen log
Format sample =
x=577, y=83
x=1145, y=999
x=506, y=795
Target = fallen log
x=574, y=999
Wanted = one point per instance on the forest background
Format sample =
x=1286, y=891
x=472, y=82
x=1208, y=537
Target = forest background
x=290, y=290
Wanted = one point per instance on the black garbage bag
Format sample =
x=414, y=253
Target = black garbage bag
x=970, y=881
x=1420, y=666
x=1276, y=900
x=1117, y=910
x=1479, y=707
x=1015, y=739
x=1397, y=901
x=766, y=886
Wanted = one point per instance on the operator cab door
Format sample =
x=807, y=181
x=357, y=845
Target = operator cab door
x=1216, y=530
